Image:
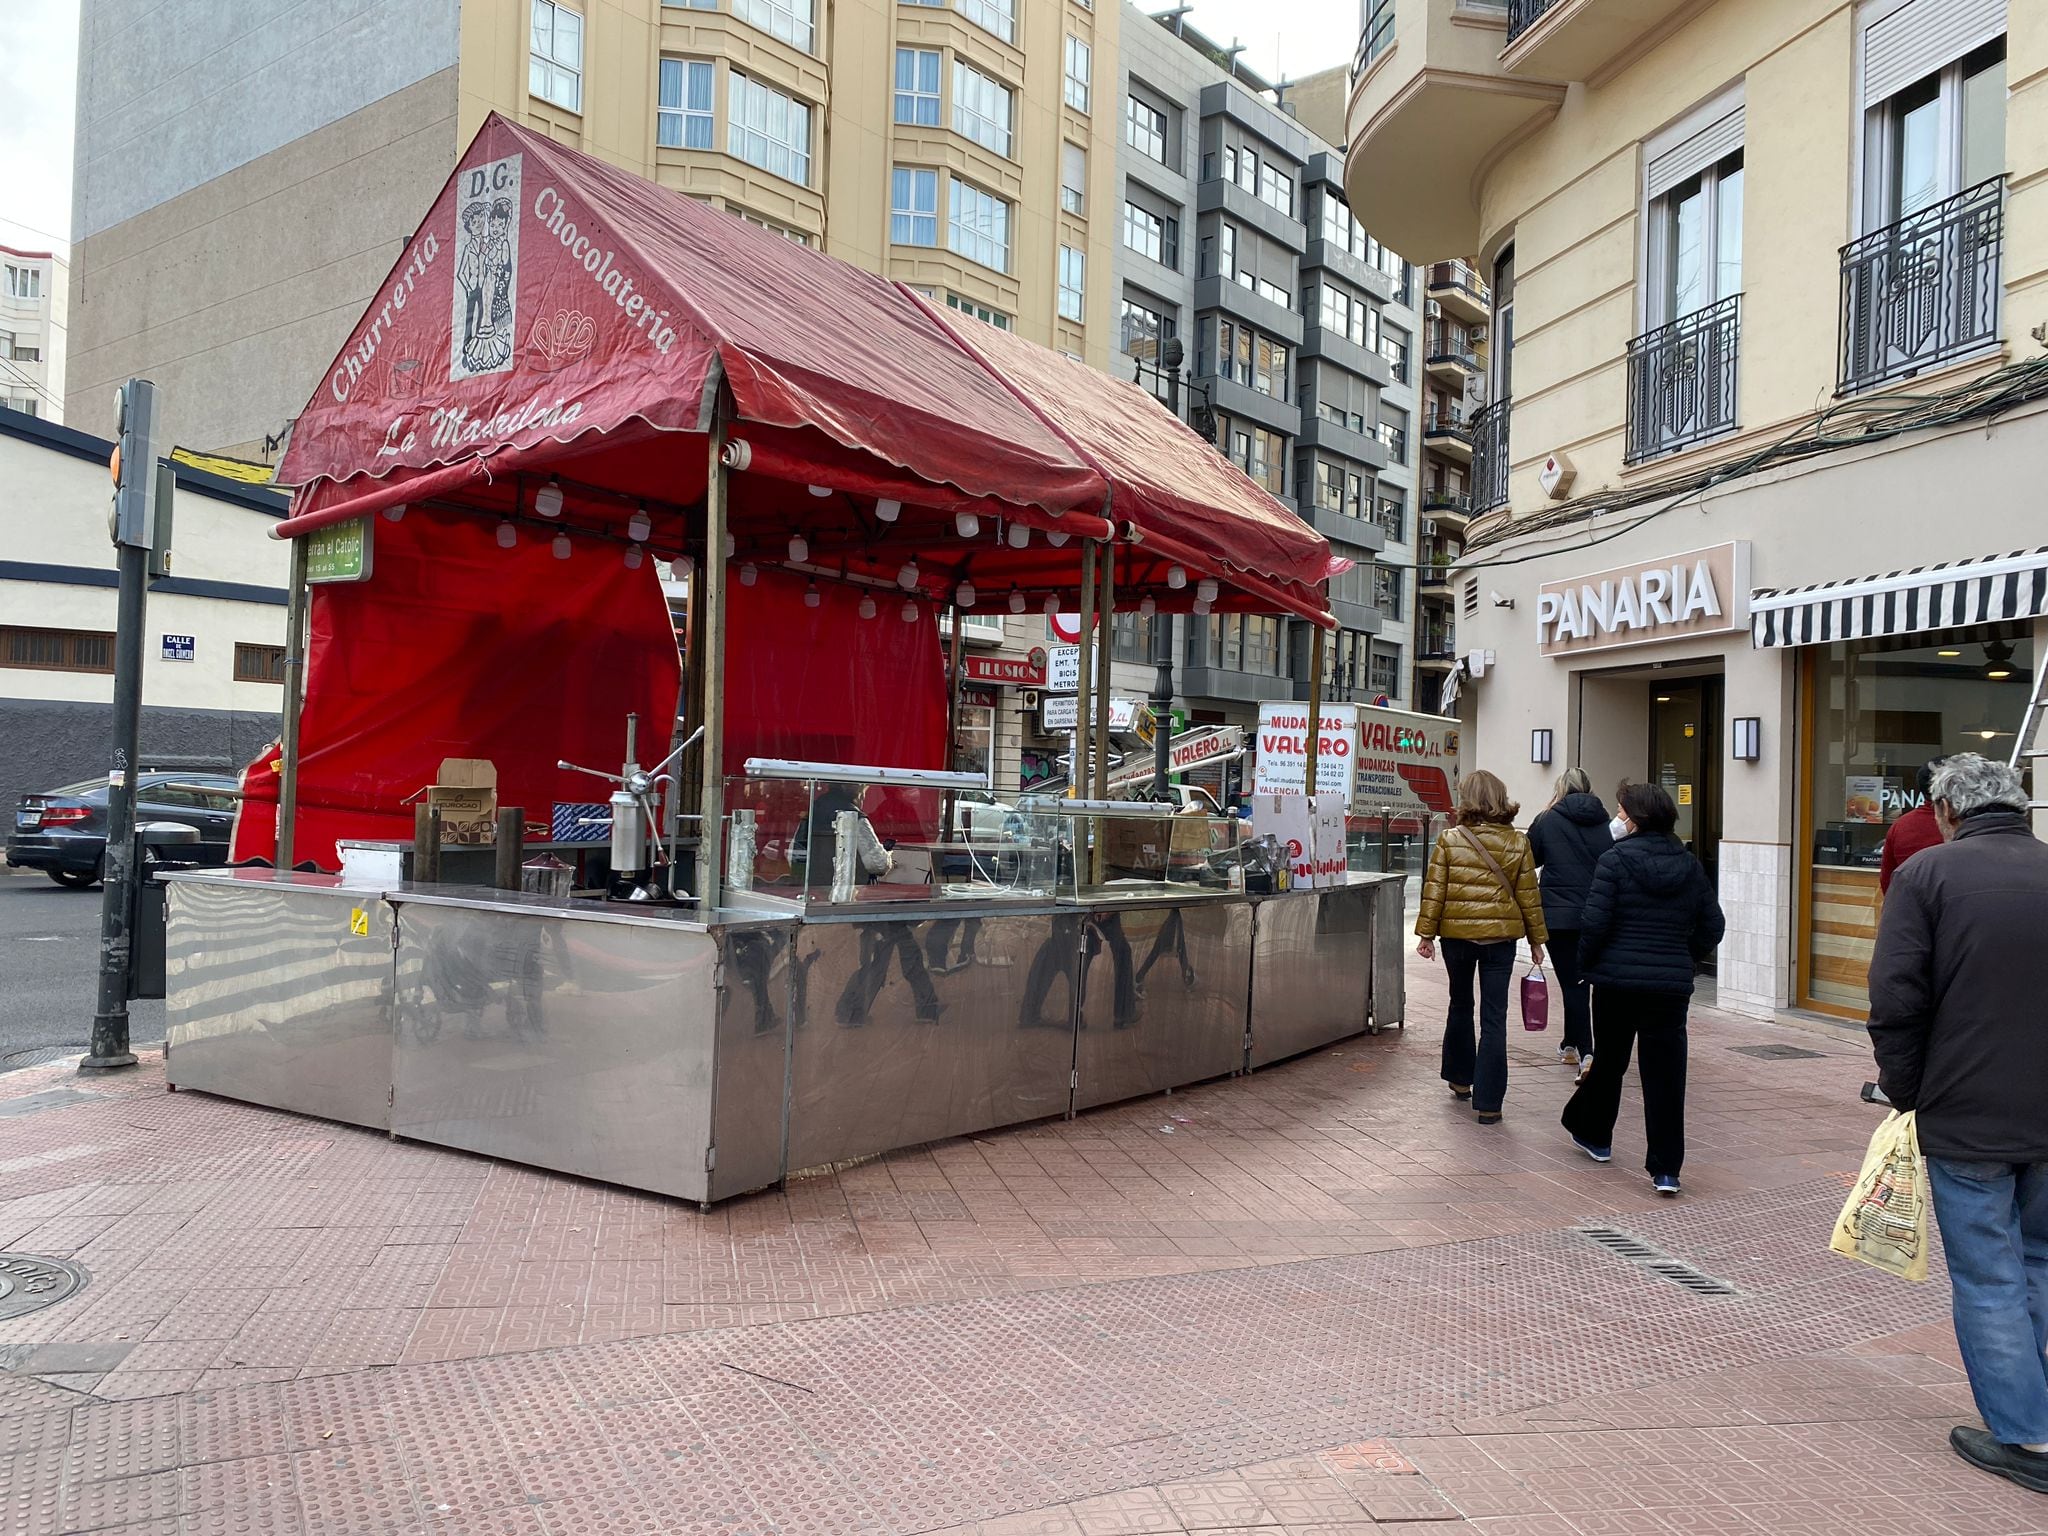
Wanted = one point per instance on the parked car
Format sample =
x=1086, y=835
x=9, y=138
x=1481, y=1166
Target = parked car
x=979, y=816
x=63, y=832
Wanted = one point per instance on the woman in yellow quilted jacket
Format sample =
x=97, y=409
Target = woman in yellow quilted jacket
x=1479, y=896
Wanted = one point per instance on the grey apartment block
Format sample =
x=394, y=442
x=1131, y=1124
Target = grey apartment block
x=1311, y=399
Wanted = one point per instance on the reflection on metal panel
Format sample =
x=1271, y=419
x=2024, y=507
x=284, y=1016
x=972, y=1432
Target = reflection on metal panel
x=1162, y=998
x=281, y=995
x=748, y=1113
x=910, y=1030
x=1311, y=969
x=1390, y=955
x=586, y=1048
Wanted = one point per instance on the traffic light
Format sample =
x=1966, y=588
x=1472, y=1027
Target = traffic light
x=134, y=464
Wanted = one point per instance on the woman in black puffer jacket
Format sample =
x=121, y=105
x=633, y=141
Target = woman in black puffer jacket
x=1568, y=840
x=1650, y=917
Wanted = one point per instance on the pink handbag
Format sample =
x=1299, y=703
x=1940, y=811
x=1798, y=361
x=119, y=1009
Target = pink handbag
x=1535, y=1000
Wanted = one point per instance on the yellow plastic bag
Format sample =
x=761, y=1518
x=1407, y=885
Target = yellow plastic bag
x=1884, y=1222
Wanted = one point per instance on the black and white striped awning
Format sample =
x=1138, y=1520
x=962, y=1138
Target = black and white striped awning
x=1990, y=590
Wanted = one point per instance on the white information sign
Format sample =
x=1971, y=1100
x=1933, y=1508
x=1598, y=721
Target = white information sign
x=1283, y=746
x=1062, y=712
x=1063, y=668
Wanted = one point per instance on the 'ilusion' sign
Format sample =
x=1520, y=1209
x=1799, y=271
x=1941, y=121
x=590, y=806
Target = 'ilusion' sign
x=1703, y=592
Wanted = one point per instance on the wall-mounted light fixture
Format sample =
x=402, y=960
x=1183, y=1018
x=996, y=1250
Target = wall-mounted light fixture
x=1539, y=748
x=1748, y=741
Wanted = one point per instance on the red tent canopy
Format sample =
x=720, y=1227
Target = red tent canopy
x=558, y=318
x=529, y=400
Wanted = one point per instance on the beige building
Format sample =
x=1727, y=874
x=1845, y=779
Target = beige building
x=1757, y=509
x=226, y=241
x=35, y=325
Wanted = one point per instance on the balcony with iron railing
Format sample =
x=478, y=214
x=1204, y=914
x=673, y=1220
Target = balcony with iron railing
x=1436, y=645
x=1682, y=381
x=1924, y=291
x=1433, y=573
x=1446, y=430
x=1431, y=106
x=1460, y=291
x=1453, y=355
x=1568, y=40
x=1490, y=456
x=1449, y=509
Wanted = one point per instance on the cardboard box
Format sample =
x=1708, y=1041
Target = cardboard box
x=465, y=792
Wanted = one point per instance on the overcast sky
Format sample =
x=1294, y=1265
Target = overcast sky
x=39, y=72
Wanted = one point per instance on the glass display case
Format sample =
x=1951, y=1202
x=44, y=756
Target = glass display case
x=1118, y=849
x=807, y=836
x=811, y=834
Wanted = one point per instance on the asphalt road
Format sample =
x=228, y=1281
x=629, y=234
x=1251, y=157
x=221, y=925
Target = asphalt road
x=49, y=947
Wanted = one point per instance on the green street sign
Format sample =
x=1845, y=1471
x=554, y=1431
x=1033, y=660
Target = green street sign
x=339, y=552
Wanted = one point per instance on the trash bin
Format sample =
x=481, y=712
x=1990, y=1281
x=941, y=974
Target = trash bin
x=159, y=845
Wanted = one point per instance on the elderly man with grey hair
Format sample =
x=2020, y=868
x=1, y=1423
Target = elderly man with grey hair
x=1959, y=1020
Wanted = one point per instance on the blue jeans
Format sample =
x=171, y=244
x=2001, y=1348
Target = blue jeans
x=1994, y=1224
x=1484, y=1065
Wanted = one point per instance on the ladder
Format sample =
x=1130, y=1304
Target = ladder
x=2026, y=748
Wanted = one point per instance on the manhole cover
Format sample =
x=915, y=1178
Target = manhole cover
x=28, y=1282
x=40, y=1055
x=1779, y=1052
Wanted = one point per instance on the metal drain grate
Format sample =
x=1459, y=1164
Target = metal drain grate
x=29, y=1281
x=1779, y=1052
x=1657, y=1261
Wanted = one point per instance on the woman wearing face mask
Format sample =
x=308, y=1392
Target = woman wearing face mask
x=1479, y=895
x=1568, y=839
x=1650, y=917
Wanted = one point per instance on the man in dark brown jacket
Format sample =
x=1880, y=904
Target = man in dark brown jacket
x=1957, y=985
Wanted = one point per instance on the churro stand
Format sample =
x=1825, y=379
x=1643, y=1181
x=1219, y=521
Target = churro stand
x=792, y=953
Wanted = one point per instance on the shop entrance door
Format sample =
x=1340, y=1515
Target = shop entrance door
x=1685, y=757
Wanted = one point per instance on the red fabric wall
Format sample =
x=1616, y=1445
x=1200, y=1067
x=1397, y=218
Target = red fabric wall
x=457, y=648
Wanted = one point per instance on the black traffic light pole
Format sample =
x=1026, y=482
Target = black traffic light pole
x=133, y=529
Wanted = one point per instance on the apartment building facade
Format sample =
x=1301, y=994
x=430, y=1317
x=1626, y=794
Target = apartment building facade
x=1296, y=339
x=35, y=322
x=1754, y=490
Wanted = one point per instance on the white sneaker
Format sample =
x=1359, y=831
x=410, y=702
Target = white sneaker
x=1586, y=1068
x=1568, y=1055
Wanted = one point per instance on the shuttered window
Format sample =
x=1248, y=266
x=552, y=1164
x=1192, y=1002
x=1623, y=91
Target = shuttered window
x=1920, y=37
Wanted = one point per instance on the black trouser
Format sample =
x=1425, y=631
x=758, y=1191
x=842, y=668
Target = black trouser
x=1563, y=949
x=1652, y=1024
x=1484, y=1067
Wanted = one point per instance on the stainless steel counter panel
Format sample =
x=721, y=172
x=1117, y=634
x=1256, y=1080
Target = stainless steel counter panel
x=1390, y=955
x=590, y=1048
x=910, y=1030
x=1311, y=969
x=271, y=997
x=1162, y=997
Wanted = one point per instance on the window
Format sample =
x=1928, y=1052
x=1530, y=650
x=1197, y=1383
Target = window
x=1930, y=132
x=1386, y=670
x=27, y=354
x=997, y=16
x=1696, y=242
x=1226, y=263
x=1276, y=188
x=56, y=650
x=1130, y=636
x=555, y=71
x=1143, y=329
x=917, y=86
x=1073, y=265
x=1386, y=590
x=981, y=312
x=1268, y=461
x=693, y=5
x=259, y=663
x=1073, y=178
x=1145, y=129
x=1392, y=429
x=1080, y=64
x=769, y=130
x=793, y=236
x=683, y=118
x=981, y=109
x=1152, y=234
x=1341, y=228
x=789, y=20
x=1269, y=367
x=1273, y=293
x=26, y=404
x=1261, y=644
x=1346, y=314
x=1394, y=344
x=913, y=206
x=24, y=282
x=978, y=225
x=1392, y=513
x=1242, y=167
